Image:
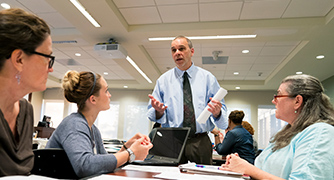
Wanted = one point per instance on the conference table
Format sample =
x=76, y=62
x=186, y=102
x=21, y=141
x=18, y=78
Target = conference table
x=132, y=173
x=217, y=160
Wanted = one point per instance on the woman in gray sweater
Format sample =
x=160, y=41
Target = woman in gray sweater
x=78, y=135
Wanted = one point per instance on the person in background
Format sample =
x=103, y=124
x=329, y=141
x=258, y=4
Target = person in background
x=303, y=149
x=78, y=135
x=251, y=131
x=186, y=90
x=237, y=139
x=25, y=62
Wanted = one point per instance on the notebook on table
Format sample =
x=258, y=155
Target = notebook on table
x=168, y=147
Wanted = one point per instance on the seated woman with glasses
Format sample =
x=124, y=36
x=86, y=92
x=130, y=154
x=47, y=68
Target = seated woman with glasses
x=22, y=71
x=303, y=149
x=78, y=135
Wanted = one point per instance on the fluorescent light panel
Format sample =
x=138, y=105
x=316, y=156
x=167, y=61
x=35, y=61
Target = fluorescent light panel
x=205, y=37
x=138, y=69
x=85, y=13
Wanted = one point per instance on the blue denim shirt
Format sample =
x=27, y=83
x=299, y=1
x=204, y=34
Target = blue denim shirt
x=238, y=140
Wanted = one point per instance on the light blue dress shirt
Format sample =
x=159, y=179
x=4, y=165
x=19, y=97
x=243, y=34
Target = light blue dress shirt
x=310, y=155
x=169, y=90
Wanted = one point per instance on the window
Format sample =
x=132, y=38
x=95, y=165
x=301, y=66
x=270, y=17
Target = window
x=54, y=109
x=107, y=122
x=135, y=120
x=268, y=125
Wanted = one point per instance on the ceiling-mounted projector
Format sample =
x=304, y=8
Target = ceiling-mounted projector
x=113, y=51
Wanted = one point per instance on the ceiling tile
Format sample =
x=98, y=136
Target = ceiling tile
x=38, y=6
x=264, y=9
x=159, y=53
x=276, y=50
x=239, y=67
x=175, y=2
x=56, y=20
x=144, y=15
x=241, y=60
x=133, y=3
x=269, y=59
x=264, y=67
x=308, y=8
x=89, y=62
x=180, y=13
x=220, y=11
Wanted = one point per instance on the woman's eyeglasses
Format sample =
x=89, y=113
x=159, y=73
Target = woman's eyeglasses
x=278, y=96
x=52, y=58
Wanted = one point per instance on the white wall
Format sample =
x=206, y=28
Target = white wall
x=252, y=98
x=123, y=96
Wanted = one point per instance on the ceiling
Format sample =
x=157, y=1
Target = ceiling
x=290, y=34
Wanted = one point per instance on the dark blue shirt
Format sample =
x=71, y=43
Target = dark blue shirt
x=238, y=140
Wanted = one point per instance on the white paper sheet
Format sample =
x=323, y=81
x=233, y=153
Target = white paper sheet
x=114, y=177
x=185, y=176
x=154, y=169
x=205, y=113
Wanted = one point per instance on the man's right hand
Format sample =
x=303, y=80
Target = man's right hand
x=158, y=106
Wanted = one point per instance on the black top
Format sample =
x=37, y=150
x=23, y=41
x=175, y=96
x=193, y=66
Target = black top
x=238, y=140
x=16, y=155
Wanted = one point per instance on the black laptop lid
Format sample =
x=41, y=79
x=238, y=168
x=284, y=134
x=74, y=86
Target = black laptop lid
x=169, y=142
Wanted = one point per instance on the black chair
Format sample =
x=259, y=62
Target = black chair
x=258, y=152
x=53, y=163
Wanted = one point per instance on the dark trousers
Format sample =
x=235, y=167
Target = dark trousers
x=198, y=149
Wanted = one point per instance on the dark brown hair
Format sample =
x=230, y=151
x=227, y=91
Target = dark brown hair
x=20, y=30
x=236, y=116
x=78, y=87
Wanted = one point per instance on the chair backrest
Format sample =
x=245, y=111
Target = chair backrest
x=53, y=163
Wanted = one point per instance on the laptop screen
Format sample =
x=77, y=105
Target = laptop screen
x=169, y=142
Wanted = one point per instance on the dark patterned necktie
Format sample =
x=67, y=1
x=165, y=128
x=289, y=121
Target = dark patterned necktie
x=188, y=108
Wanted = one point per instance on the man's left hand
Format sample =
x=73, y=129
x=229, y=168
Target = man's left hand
x=215, y=107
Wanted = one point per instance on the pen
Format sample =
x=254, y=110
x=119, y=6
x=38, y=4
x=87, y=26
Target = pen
x=202, y=166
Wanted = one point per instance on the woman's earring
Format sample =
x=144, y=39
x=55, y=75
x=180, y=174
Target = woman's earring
x=295, y=111
x=18, y=77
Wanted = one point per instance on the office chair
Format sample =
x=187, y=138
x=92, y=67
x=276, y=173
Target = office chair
x=53, y=163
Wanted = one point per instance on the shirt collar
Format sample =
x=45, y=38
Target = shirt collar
x=189, y=71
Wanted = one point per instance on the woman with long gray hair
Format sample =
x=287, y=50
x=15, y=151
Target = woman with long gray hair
x=303, y=149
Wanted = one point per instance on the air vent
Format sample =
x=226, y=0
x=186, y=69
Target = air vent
x=68, y=62
x=209, y=60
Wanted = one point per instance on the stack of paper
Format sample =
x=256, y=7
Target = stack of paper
x=207, y=169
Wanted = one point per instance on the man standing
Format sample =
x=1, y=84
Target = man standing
x=179, y=97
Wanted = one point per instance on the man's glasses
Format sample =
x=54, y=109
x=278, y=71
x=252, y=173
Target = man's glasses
x=52, y=58
x=278, y=96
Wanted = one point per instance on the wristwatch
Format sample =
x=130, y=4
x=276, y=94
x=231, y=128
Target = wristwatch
x=132, y=156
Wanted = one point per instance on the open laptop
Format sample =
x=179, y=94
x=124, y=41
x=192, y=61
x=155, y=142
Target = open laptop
x=168, y=147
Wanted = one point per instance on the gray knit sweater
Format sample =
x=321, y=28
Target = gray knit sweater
x=74, y=136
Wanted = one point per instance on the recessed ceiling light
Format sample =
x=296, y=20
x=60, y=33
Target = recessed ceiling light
x=237, y=87
x=245, y=51
x=299, y=72
x=77, y=54
x=105, y=73
x=236, y=73
x=5, y=5
x=320, y=57
x=125, y=86
x=205, y=37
